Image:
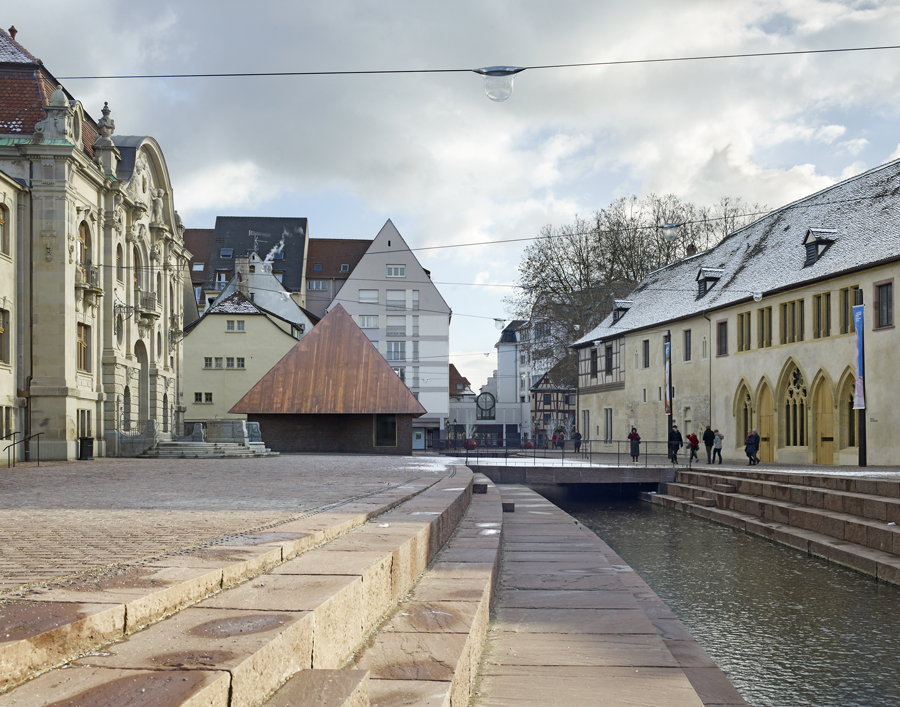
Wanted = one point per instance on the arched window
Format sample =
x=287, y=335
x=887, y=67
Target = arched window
x=4, y=231
x=126, y=409
x=136, y=267
x=83, y=251
x=795, y=411
x=119, y=264
x=159, y=285
x=744, y=415
x=849, y=418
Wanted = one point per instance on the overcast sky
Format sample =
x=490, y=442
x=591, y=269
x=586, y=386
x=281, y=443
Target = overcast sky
x=449, y=166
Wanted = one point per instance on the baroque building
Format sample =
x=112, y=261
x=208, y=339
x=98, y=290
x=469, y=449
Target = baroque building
x=761, y=335
x=92, y=265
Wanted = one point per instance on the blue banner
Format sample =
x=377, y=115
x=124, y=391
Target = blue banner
x=859, y=390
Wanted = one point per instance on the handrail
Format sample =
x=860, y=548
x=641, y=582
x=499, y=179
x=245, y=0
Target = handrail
x=12, y=457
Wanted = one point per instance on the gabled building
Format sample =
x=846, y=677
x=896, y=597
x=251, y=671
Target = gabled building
x=459, y=384
x=553, y=403
x=761, y=335
x=333, y=392
x=392, y=299
x=329, y=263
x=229, y=349
x=92, y=265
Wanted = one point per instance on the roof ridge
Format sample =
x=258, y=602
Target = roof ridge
x=10, y=50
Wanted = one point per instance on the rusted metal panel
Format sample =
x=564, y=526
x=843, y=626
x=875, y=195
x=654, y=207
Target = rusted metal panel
x=334, y=369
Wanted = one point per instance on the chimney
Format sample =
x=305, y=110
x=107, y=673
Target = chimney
x=242, y=268
x=691, y=250
x=13, y=32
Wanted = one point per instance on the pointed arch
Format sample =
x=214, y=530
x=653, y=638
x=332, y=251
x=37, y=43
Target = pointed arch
x=821, y=433
x=847, y=433
x=765, y=408
x=792, y=401
x=743, y=407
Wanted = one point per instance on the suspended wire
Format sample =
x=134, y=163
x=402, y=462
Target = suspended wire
x=370, y=72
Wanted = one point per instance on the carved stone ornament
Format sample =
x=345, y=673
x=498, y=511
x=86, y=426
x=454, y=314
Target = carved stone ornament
x=71, y=249
x=179, y=226
x=60, y=121
x=49, y=239
x=107, y=127
x=156, y=213
x=145, y=327
x=154, y=251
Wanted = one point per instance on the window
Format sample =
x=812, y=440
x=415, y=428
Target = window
x=84, y=423
x=792, y=321
x=396, y=299
x=396, y=271
x=884, y=304
x=197, y=267
x=323, y=285
x=608, y=360
x=645, y=345
x=207, y=362
x=226, y=253
x=317, y=267
x=240, y=363
x=222, y=277
x=743, y=332
x=229, y=362
x=795, y=411
x=345, y=267
x=83, y=250
x=84, y=347
x=547, y=399
x=593, y=363
x=297, y=331
x=567, y=400
x=401, y=372
x=415, y=350
x=385, y=430
x=219, y=362
x=396, y=326
x=546, y=419
x=522, y=359
x=368, y=296
x=229, y=325
x=198, y=294
x=687, y=344
x=607, y=424
x=4, y=336
x=722, y=338
x=279, y=275
x=822, y=315
x=645, y=395
x=208, y=397
x=396, y=350
x=415, y=379
x=368, y=321
x=847, y=297
x=120, y=264
x=278, y=255
x=198, y=397
x=763, y=327
x=4, y=231
x=240, y=325
x=415, y=300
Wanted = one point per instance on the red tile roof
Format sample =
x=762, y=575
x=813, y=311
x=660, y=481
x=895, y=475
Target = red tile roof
x=331, y=253
x=11, y=52
x=21, y=101
x=334, y=369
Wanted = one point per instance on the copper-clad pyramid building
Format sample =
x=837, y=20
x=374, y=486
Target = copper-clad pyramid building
x=333, y=392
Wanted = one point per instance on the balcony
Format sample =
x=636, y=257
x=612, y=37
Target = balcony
x=396, y=331
x=87, y=277
x=147, y=303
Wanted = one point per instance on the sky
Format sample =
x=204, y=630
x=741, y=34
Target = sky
x=450, y=167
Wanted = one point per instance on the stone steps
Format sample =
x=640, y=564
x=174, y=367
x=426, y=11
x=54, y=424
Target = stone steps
x=206, y=450
x=227, y=642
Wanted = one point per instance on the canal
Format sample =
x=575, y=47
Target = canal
x=786, y=628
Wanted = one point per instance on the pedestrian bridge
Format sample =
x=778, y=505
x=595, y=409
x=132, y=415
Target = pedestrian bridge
x=574, y=474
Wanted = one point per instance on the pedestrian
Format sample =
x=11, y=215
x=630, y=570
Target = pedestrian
x=709, y=439
x=695, y=445
x=676, y=442
x=635, y=440
x=561, y=441
x=717, y=445
x=751, y=447
x=576, y=438
x=554, y=441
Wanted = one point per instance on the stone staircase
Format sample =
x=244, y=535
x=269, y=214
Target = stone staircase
x=851, y=521
x=206, y=450
x=380, y=601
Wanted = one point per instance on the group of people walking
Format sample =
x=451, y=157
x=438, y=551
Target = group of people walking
x=712, y=439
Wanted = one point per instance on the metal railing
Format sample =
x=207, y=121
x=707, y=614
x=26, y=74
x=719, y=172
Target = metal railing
x=10, y=454
x=653, y=453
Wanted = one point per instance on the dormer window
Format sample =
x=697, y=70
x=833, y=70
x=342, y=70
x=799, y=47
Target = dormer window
x=706, y=279
x=816, y=242
x=620, y=306
x=226, y=253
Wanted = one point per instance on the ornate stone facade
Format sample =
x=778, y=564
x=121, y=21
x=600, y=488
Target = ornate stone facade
x=96, y=256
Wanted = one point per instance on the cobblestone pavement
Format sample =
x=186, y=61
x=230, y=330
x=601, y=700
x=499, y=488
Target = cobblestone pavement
x=64, y=518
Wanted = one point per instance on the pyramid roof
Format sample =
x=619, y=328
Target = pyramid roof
x=334, y=369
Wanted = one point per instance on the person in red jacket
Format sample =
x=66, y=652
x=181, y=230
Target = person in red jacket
x=695, y=445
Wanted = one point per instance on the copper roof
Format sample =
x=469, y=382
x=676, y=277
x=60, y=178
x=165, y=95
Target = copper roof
x=331, y=254
x=334, y=369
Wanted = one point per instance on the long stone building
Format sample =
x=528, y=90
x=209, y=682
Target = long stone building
x=762, y=335
x=92, y=267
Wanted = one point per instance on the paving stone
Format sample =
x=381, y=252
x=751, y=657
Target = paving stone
x=413, y=656
x=432, y=617
x=102, y=687
x=260, y=649
x=621, y=621
x=513, y=654
x=608, y=579
x=409, y=693
x=567, y=599
x=713, y=687
x=432, y=588
x=323, y=688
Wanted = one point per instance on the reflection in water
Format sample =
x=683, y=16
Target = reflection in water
x=786, y=628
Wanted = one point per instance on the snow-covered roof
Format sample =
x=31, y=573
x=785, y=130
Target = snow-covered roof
x=710, y=273
x=623, y=303
x=861, y=215
x=235, y=304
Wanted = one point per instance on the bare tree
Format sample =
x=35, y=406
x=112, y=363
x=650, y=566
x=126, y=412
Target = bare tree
x=569, y=276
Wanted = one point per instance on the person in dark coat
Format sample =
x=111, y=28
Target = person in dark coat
x=676, y=442
x=751, y=447
x=576, y=438
x=635, y=440
x=709, y=439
